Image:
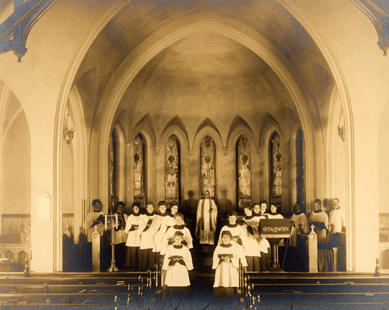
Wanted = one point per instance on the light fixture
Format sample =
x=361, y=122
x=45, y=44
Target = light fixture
x=68, y=132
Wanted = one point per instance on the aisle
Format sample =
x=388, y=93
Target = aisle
x=200, y=295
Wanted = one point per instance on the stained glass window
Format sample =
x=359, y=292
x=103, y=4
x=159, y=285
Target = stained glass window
x=300, y=179
x=112, y=161
x=208, y=166
x=139, y=170
x=243, y=158
x=275, y=170
x=172, y=169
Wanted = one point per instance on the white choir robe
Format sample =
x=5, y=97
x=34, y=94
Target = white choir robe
x=236, y=232
x=160, y=221
x=263, y=243
x=226, y=273
x=170, y=221
x=206, y=234
x=147, y=237
x=251, y=245
x=321, y=217
x=170, y=236
x=337, y=218
x=90, y=218
x=132, y=229
x=177, y=275
x=120, y=235
x=297, y=228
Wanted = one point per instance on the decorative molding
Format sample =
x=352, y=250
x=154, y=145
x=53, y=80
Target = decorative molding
x=379, y=18
x=225, y=149
x=15, y=29
x=286, y=146
x=258, y=148
x=190, y=149
x=157, y=149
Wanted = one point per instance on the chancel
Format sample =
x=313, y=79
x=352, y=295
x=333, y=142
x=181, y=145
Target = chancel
x=193, y=117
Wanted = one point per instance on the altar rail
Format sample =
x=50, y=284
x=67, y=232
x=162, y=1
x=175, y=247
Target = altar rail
x=14, y=223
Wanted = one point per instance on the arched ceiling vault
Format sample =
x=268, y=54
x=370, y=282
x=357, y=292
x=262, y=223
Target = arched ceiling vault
x=207, y=71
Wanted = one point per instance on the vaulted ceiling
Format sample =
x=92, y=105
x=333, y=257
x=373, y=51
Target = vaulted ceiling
x=207, y=70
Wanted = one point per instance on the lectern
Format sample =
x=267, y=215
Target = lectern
x=274, y=230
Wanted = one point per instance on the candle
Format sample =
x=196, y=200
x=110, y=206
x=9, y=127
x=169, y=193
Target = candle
x=116, y=221
x=105, y=222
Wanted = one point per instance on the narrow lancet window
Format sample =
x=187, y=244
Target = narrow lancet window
x=300, y=175
x=139, y=170
x=172, y=169
x=208, y=166
x=243, y=162
x=275, y=170
x=112, y=168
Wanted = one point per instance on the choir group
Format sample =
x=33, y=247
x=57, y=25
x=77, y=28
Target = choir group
x=149, y=239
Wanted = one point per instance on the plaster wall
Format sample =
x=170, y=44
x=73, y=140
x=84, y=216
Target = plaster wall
x=37, y=83
x=362, y=76
x=17, y=168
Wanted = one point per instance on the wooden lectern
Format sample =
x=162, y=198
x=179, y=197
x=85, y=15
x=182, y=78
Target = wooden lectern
x=274, y=230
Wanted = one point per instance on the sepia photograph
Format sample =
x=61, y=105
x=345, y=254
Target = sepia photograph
x=194, y=154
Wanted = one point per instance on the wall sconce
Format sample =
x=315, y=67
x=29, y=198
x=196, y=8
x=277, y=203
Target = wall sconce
x=68, y=132
x=341, y=132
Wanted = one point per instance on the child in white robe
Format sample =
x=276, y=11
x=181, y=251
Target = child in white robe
x=147, y=230
x=251, y=245
x=264, y=245
x=133, y=238
x=226, y=262
x=237, y=234
x=179, y=225
x=177, y=262
x=161, y=223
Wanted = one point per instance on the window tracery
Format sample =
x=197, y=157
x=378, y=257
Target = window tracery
x=139, y=170
x=275, y=170
x=208, y=166
x=243, y=158
x=172, y=169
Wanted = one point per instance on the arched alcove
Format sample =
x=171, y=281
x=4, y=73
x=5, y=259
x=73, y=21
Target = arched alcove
x=15, y=163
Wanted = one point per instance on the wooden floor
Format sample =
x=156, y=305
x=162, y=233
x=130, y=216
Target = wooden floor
x=132, y=290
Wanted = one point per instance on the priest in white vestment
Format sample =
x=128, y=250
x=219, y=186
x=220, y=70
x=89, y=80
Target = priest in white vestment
x=206, y=220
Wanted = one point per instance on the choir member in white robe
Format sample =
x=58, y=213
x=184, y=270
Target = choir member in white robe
x=206, y=220
x=120, y=235
x=251, y=245
x=96, y=217
x=226, y=263
x=337, y=234
x=177, y=262
x=133, y=238
x=173, y=210
x=319, y=219
x=337, y=220
x=264, y=245
x=161, y=223
x=299, y=225
x=168, y=238
x=236, y=231
x=147, y=230
x=296, y=256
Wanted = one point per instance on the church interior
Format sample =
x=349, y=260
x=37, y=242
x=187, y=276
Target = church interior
x=148, y=101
